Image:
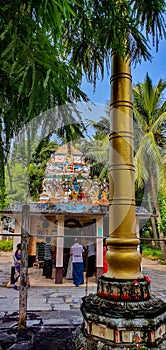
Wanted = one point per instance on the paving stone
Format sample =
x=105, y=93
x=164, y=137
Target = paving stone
x=32, y=323
x=21, y=346
x=56, y=300
x=6, y=339
x=72, y=300
x=35, y=306
x=57, y=294
x=56, y=322
x=77, y=320
x=74, y=306
x=8, y=325
x=59, y=307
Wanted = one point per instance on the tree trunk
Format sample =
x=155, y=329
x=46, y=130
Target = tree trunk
x=154, y=230
x=2, y=171
x=161, y=235
x=10, y=177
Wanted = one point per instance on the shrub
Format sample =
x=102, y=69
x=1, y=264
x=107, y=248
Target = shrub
x=151, y=253
x=6, y=246
x=163, y=261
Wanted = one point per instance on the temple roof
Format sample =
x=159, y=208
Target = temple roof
x=64, y=149
x=75, y=208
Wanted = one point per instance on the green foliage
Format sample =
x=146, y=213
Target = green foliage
x=139, y=193
x=17, y=184
x=35, y=75
x=46, y=47
x=151, y=253
x=3, y=199
x=150, y=116
x=38, y=164
x=146, y=230
x=33, y=61
x=147, y=233
x=100, y=27
x=6, y=246
x=162, y=205
x=163, y=261
x=151, y=18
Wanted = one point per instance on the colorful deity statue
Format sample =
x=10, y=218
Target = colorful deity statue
x=44, y=185
x=68, y=164
x=104, y=189
x=75, y=185
x=95, y=189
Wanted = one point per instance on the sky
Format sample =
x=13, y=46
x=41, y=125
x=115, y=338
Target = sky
x=156, y=70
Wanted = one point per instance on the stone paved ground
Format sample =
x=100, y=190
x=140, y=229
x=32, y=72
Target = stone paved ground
x=51, y=306
x=157, y=273
x=45, y=295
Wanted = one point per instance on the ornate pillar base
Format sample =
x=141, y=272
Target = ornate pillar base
x=82, y=341
x=122, y=315
x=123, y=290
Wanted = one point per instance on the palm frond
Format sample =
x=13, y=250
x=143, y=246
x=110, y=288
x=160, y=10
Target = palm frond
x=150, y=16
x=102, y=127
x=139, y=119
x=158, y=122
x=162, y=177
x=141, y=173
x=98, y=151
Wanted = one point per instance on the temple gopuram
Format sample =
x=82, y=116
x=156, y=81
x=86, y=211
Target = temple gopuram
x=67, y=178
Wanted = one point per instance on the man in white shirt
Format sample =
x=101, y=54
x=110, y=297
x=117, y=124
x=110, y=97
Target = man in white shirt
x=76, y=251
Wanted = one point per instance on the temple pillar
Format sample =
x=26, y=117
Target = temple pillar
x=17, y=236
x=99, y=246
x=59, y=250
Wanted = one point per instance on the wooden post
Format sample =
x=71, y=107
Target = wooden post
x=12, y=274
x=24, y=268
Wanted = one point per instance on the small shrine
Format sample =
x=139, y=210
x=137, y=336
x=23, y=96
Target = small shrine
x=70, y=204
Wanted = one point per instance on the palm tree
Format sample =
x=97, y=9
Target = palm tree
x=96, y=151
x=149, y=112
x=97, y=147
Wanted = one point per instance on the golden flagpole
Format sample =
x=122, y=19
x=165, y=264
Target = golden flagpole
x=123, y=257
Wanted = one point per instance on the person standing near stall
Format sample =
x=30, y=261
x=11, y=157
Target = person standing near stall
x=76, y=251
x=17, y=263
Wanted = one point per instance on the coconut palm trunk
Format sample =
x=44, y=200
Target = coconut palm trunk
x=2, y=171
x=154, y=230
x=161, y=235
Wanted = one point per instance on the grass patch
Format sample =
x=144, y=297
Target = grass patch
x=163, y=261
x=151, y=253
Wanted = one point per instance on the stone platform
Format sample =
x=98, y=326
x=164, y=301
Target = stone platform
x=122, y=315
